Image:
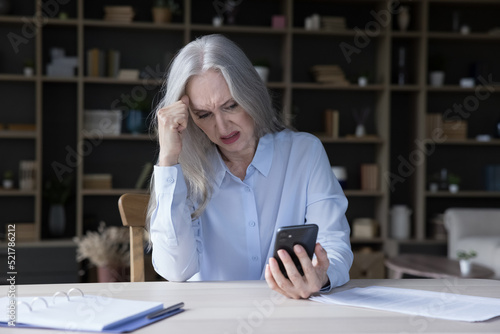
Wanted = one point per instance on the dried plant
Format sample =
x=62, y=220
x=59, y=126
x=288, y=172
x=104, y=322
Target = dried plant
x=108, y=246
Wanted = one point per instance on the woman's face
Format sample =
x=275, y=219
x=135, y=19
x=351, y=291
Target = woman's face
x=218, y=115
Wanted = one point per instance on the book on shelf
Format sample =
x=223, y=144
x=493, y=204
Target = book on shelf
x=332, y=123
x=101, y=63
x=492, y=177
x=97, y=181
x=369, y=177
x=119, y=13
x=330, y=74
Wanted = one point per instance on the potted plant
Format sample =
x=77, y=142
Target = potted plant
x=453, y=183
x=163, y=10
x=57, y=193
x=108, y=250
x=8, y=179
x=465, y=260
x=29, y=67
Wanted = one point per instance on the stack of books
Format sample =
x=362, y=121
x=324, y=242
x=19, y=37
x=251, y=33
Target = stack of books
x=331, y=74
x=97, y=181
x=24, y=232
x=333, y=23
x=119, y=13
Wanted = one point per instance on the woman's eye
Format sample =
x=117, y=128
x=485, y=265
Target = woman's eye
x=232, y=106
x=205, y=115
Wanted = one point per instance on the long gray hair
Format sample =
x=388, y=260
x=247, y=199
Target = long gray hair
x=213, y=52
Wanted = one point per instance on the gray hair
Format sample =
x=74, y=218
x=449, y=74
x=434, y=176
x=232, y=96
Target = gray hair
x=213, y=52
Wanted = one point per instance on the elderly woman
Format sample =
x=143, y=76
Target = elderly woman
x=229, y=174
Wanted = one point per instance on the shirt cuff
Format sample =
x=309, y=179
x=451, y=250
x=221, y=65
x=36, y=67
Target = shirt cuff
x=166, y=178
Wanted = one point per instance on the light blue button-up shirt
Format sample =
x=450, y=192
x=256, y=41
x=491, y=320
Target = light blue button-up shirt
x=289, y=182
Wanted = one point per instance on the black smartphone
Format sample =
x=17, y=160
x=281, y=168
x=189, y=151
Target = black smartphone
x=289, y=236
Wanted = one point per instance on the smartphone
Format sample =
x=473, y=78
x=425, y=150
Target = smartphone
x=289, y=236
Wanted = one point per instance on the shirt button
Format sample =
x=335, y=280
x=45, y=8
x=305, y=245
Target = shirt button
x=170, y=180
x=251, y=223
x=255, y=258
x=247, y=189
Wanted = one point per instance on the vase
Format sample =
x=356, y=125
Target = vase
x=453, y=188
x=400, y=222
x=161, y=15
x=465, y=267
x=436, y=78
x=111, y=274
x=360, y=130
x=404, y=18
x=263, y=72
x=57, y=220
x=135, y=122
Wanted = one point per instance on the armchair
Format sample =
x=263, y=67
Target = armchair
x=475, y=229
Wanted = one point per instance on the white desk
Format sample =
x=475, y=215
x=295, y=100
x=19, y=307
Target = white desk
x=250, y=307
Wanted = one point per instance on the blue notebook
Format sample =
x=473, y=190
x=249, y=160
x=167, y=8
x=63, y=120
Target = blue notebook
x=79, y=312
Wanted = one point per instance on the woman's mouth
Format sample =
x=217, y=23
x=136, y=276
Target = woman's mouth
x=231, y=138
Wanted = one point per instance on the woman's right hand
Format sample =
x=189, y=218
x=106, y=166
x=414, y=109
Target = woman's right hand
x=172, y=121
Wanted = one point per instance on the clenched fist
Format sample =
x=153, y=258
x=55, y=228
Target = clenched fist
x=172, y=121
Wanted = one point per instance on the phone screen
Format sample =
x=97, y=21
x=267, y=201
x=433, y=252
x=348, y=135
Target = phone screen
x=289, y=236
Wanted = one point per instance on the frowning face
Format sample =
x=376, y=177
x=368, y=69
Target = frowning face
x=219, y=116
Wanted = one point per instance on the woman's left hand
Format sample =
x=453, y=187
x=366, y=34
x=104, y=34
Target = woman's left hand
x=297, y=286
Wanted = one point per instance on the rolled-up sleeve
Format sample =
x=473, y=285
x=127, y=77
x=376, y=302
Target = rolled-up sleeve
x=174, y=234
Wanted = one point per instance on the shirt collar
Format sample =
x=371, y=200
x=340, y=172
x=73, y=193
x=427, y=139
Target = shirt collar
x=261, y=161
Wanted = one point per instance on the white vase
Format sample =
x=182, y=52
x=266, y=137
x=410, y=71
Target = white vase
x=360, y=130
x=453, y=188
x=465, y=267
x=436, y=78
x=400, y=222
x=404, y=18
x=57, y=220
x=263, y=72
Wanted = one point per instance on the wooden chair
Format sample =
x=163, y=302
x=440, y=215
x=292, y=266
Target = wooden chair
x=133, y=208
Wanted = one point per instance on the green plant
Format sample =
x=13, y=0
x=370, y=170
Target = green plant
x=29, y=63
x=170, y=4
x=463, y=255
x=453, y=179
x=58, y=192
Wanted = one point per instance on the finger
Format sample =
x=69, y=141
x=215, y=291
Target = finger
x=274, y=275
x=185, y=100
x=291, y=269
x=321, y=256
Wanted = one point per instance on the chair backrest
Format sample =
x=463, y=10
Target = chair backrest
x=133, y=209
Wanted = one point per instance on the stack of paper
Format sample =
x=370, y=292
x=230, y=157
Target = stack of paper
x=431, y=304
x=331, y=74
x=332, y=23
x=119, y=13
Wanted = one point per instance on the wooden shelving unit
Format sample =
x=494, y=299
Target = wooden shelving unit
x=396, y=120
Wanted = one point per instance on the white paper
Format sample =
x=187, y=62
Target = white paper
x=417, y=302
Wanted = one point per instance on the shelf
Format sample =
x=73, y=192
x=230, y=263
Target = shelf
x=238, y=29
x=350, y=140
x=124, y=136
x=367, y=241
x=458, y=89
x=59, y=22
x=465, y=142
x=325, y=86
x=134, y=25
x=12, y=19
x=340, y=33
x=406, y=34
x=405, y=88
x=17, y=134
x=363, y=193
x=112, y=192
x=60, y=79
x=115, y=81
x=464, y=194
x=454, y=36
x=17, y=192
x=17, y=77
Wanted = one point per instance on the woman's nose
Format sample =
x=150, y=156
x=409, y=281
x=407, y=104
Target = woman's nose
x=221, y=122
